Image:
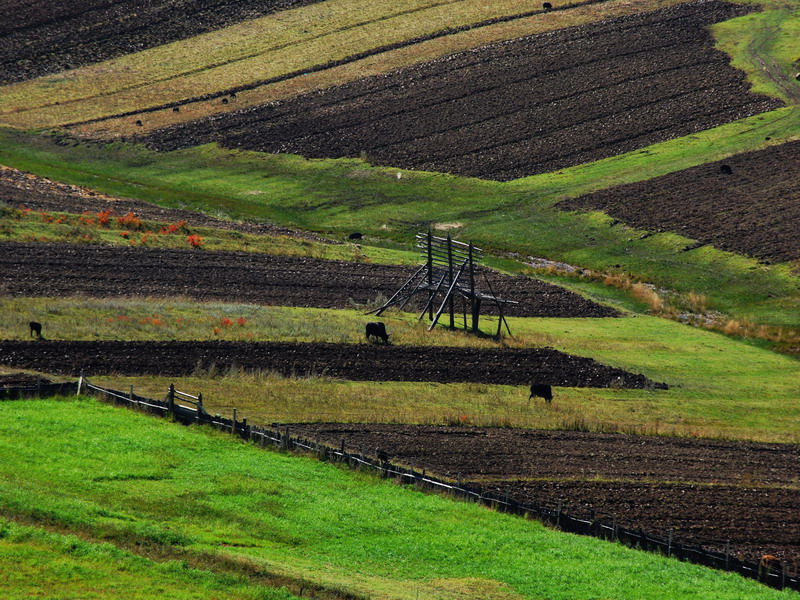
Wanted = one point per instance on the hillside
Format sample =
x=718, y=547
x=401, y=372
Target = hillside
x=214, y=194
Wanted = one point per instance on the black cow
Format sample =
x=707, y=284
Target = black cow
x=356, y=235
x=541, y=390
x=36, y=328
x=547, y=6
x=726, y=170
x=377, y=330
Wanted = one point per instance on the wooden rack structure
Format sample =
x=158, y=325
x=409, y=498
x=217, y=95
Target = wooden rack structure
x=449, y=269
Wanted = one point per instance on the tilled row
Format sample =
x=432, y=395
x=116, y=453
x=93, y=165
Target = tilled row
x=362, y=362
x=31, y=269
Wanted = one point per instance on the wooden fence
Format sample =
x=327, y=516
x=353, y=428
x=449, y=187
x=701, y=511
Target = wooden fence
x=188, y=409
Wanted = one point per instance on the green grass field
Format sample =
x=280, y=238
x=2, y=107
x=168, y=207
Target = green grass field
x=112, y=475
x=37, y=563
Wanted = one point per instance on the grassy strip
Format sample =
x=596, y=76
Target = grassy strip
x=40, y=564
x=23, y=225
x=720, y=387
x=276, y=45
x=127, y=476
x=765, y=46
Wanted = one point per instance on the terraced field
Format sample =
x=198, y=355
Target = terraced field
x=46, y=38
x=748, y=203
x=39, y=269
x=506, y=111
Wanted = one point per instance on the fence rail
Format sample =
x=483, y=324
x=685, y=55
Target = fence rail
x=545, y=511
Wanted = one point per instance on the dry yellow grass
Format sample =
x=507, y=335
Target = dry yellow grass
x=270, y=47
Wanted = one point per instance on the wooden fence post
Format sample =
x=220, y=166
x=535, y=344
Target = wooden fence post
x=80, y=384
x=171, y=399
x=233, y=425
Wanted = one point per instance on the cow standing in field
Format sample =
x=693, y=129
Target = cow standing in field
x=377, y=330
x=36, y=329
x=541, y=390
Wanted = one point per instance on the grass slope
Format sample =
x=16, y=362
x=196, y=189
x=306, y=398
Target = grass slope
x=39, y=564
x=124, y=477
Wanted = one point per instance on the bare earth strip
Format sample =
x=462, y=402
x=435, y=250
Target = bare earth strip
x=361, y=362
x=39, y=269
x=749, y=203
x=513, y=109
x=46, y=37
x=705, y=491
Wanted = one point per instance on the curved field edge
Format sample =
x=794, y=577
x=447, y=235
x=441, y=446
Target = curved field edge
x=41, y=563
x=247, y=56
x=765, y=46
x=350, y=195
x=718, y=387
x=200, y=492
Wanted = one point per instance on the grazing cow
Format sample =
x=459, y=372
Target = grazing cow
x=36, y=329
x=377, y=330
x=725, y=170
x=138, y=123
x=176, y=109
x=382, y=455
x=541, y=390
x=224, y=100
x=547, y=6
x=768, y=564
x=356, y=235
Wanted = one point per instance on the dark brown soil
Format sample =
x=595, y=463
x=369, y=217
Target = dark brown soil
x=504, y=111
x=38, y=37
x=366, y=362
x=706, y=491
x=39, y=269
x=26, y=190
x=21, y=380
x=754, y=209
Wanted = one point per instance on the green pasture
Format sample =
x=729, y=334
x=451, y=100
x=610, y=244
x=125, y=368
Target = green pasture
x=719, y=386
x=132, y=480
x=60, y=227
x=44, y=564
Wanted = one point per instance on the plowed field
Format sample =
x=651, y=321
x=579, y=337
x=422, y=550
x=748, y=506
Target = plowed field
x=706, y=491
x=753, y=210
x=367, y=362
x=504, y=111
x=45, y=37
x=63, y=269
